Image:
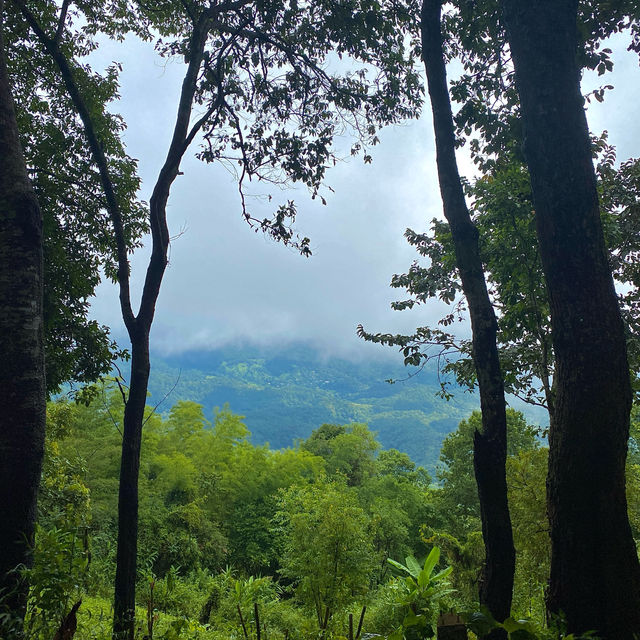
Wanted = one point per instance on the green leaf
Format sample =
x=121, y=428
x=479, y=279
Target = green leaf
x=411, y=620
x=480, y=622
x=413, y=566
x=511, y=625
x=442, y=574
x=432, y=560
x=398, y=565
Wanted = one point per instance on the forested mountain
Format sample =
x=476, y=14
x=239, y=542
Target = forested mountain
x=140, y=506
x=302, y=533
x=286, y=393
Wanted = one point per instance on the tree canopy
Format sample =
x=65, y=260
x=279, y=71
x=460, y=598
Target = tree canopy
x=532, y=251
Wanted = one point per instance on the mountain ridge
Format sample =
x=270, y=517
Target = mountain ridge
x=286, y=393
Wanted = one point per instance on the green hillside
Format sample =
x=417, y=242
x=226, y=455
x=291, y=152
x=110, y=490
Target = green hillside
x=285, y=395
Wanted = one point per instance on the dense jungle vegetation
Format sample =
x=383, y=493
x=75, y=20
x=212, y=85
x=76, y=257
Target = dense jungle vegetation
x=284, y=394
x=304, y=533
x=117, y=521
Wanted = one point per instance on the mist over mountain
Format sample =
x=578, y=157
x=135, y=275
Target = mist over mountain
x=285, y=394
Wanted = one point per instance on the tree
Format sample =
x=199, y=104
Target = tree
x=526, y=474
x=398, y=501
x=51, y=208
x=455, y=524
x=321, y=442
x=503, y=212
x=22, y=379
x=490, y=116
x=595, y=575
x=61, y=549
x=348, y=450
x=77, y=245
x=490, y=444
x=326, y=551
x=488, y=121
x=457, y=499
x=235, y=53
x=207, y=495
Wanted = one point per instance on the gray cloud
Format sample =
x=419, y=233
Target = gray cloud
x=226, y=284
x=618, y=114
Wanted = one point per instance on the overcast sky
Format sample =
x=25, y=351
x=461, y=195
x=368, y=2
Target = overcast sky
x=227, y=284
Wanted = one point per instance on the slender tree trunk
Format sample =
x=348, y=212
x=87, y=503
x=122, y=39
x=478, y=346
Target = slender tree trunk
x=22, y=377
x=127, y=553
x=595, y=575
x=490, y=446
x=138, y=326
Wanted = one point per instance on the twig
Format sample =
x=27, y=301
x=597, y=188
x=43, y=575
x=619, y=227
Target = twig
x=118, y=379
x=244, y=628
x=256, y=615
x=115, y=422
x=359, y=631
x=166, y=395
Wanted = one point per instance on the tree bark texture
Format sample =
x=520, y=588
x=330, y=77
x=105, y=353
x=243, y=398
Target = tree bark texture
x=595, y=575
x=490, y=446
x=22, y=374
x=127, y=552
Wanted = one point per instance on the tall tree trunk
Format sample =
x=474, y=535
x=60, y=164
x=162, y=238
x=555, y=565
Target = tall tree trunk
x=138, y=326
x=22, y=377
x=595, y=575
x=490, y=446
x=127, y=553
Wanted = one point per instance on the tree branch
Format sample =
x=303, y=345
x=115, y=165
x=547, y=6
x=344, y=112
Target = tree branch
x=99, y=157
x=170, y=169
x=61, y=21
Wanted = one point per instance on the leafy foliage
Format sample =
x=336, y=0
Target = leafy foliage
x=420, y=592
x=326, y=552
x=286, y=395
x=226, y=524
x=503, y=213
x=77, y=241
x=459, y=493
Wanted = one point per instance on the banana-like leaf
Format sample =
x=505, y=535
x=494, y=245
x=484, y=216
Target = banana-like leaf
x=398, y=565
x=413, y=566
x=442, y=574
x=431, y=561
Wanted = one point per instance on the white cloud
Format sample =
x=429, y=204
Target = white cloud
x=226, y=283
